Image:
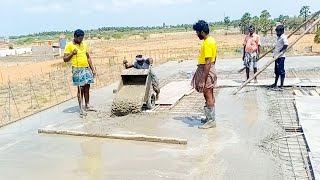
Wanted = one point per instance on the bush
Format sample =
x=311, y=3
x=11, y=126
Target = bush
x=117, y=36
x=145, y=36
x=11, y=46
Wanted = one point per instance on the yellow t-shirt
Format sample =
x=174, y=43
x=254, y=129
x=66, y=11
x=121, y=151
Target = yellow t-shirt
x=208, y=50
x=79, y=60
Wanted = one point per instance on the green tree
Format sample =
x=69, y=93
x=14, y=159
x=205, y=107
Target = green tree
x=305, y=13
x=265, y=22
x=245, y=22
x=227, y=21
x=283, y=20
x=294, y=22
x=255, y=21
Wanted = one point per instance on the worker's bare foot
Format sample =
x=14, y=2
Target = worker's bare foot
x=89, y=108
x=255, y=81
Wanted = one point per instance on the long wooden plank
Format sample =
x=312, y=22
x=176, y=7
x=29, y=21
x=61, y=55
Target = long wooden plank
x=117, y=136
x=271, y=61
x=297, y=92
x=314, y=93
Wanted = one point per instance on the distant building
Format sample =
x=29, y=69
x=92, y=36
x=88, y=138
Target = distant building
x=4, y=39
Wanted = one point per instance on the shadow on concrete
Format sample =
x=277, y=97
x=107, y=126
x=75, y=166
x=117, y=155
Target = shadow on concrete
x=74, y=109
x=190, y=121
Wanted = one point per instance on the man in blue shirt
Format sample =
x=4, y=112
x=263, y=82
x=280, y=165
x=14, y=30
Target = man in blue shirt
x=145, y=63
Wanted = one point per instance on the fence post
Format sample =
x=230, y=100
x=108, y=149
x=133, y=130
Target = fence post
x=9, y=109
x=14, y=101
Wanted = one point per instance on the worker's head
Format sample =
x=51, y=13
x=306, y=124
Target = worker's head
x=139, y=58
x=202, y=29
x=279, y=30
x=251, y=29
x=78, y=36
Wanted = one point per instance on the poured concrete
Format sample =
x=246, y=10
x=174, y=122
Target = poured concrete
x=309, y=115
x=228, y=152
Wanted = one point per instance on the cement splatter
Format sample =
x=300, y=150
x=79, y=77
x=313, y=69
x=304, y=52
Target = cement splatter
x=129, y=100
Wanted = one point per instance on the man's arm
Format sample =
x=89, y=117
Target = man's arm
x=244, y=47
x=259, y=45
x=244, y=52
x=207, y=69
x=68, y=56
x=285, y=47
x=91, y=64
x=127, y=65
x=286, y=44
x=69, y=52
x=150, y=61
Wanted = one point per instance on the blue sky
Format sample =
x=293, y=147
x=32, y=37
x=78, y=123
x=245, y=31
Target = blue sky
x=30, y=16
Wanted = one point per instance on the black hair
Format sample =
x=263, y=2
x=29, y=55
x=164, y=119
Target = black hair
x=280, y=28
x=252, y=27
x=78, y=33
x=201, y=25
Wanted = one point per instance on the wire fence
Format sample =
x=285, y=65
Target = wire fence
x=25, y=96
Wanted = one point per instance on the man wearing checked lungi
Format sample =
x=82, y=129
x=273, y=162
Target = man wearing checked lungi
x=205, y=79
x=251, y=52
x=83, y=72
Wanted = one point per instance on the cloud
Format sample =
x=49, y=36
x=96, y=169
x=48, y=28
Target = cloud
x=45, y=8
x=131, y=3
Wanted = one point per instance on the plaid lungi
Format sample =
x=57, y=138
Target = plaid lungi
x=82, y=76
x=198, y=78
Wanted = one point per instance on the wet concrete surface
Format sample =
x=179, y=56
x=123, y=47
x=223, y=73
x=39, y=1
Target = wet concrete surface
x=309, y=116
x=229, y=151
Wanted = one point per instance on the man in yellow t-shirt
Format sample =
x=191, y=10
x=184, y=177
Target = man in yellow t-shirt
x=83, y=72
x=205, y=78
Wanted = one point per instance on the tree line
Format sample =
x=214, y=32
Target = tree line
x=263, y=23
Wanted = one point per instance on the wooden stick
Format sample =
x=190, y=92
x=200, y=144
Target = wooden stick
x=274, y=59
x=296, y=30
x=289, y=136
x=118, y=136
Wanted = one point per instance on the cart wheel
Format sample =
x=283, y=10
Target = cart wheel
x=151, y=101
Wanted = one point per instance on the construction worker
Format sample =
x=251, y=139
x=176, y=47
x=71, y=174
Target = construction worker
x=83, y=72
x=251, y=51
x=281, y=45
x=142, y=62
x=204, y=79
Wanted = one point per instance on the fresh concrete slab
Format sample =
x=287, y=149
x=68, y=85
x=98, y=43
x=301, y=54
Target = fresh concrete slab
x=308, y=108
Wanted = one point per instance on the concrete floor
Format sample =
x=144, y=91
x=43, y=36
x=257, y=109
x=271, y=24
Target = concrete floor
x=228, y=152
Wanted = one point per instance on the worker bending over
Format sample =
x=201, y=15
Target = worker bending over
x=142, y=62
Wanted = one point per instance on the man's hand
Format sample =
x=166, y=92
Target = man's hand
x=125, y=61
x=201, y=86
x=74, y=52
x=94, y=73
